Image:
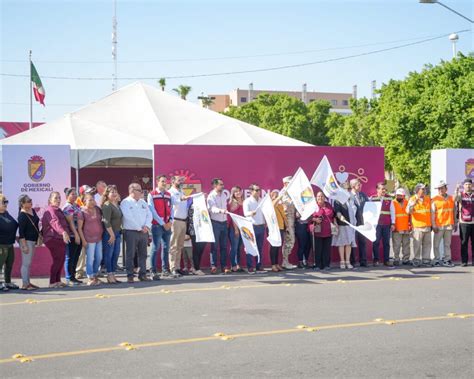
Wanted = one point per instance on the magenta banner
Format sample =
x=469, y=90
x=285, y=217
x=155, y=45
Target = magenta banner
x=266, y=166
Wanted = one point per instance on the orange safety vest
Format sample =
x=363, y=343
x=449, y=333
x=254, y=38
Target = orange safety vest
x=421, y=216
x=402, y=218
x=444, y=214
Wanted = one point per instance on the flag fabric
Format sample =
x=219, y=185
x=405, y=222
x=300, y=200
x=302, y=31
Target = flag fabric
x=38, y=88
x=274, y=236
x=324, y=178
x=371, y=214
x=248, y=234
x=202, y=220
x=300, y=191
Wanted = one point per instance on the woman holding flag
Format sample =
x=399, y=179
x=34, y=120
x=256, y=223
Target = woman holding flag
x=345, y=238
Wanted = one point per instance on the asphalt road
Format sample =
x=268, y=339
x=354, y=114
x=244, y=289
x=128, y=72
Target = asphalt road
x=372, y=323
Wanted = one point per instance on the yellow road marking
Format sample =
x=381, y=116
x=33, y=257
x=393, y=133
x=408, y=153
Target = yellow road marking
x=226, y=337
x=204, y=289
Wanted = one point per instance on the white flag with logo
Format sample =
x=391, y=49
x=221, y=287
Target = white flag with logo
x=274, y=236
x=371, y=214
x=202, y=220
x=324, y=178
x=248, y=234
x=300, y=191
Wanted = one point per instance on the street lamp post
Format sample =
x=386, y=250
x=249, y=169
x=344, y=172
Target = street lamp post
x=454, y=38
x=445, y=6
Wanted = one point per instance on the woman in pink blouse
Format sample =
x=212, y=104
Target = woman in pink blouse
x=91, y=230
x=320, y=230
x=55, y=236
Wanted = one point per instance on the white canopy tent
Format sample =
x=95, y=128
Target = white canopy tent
x=128, y=122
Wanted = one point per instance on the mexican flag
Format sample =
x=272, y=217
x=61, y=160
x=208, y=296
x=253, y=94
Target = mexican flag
x=37, y=85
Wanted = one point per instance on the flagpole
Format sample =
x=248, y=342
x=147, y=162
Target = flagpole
x=31, y=96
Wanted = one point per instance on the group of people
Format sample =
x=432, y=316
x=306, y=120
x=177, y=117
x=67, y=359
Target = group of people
x=87, y=231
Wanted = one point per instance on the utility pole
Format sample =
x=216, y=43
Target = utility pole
x=114, y=47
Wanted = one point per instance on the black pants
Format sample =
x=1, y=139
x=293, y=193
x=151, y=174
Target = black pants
x=275, y=249
x=304, y=243
x=7, y=258
x=73, y=252
x=322, y=254
x=466, y=231
x=198, y=249
x=362, y=246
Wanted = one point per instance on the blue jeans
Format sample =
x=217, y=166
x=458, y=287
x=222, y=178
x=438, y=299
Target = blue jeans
x=382, y=234
x=220, y=235
x=161, y=237
x=235, y=246
x=302, y=235
x=73, y=252
x=111, y=252
x=259, y=236
x=93, y=258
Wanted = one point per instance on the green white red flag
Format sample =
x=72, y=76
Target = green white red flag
x=38, y=88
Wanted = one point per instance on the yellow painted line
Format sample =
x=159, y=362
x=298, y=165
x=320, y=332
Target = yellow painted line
x=166, y=290
x=228, y=337
x=144, y=293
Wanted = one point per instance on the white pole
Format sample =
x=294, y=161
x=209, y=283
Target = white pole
x=114, y=46
x=31, y=95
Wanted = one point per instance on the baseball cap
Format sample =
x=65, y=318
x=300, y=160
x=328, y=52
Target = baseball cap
x=400, y=191
x=287, y=179
x=419, y=186
x=85, y=189
x=441, y=184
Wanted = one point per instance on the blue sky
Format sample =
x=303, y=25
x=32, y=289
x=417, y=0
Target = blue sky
x=73, y=39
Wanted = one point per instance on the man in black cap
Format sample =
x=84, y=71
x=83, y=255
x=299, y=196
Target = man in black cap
x=465, y=202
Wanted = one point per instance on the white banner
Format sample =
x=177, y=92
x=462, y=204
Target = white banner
x=248, y=234
x=202, y=220
x=300, y=191
x=274, y=236
x=35, y=170
x=324, y=178
x=371, y=218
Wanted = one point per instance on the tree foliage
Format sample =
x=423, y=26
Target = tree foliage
x=431, y=109
x=288, y=116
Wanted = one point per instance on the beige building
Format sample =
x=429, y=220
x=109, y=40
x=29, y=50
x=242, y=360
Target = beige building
x=238, y=97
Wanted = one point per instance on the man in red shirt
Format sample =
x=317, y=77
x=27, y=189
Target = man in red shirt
x=159, y=201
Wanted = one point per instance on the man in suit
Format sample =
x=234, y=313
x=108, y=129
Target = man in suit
x=359, y=198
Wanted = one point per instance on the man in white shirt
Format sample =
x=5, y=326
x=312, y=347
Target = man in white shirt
x=136, y=226
x=100, y=188
x=217, y=204
x=252, y=210
x=179, y=204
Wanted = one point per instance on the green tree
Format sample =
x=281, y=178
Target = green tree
x=286, y=115
x=182, y=91
x=206, y=102
x=432, y=109
x=162, y=83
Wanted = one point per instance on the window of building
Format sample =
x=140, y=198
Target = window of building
x=345, y=102
x=334, y=102
x=213, y=98
x=243, y=99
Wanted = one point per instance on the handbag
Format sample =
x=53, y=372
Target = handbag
x=39, y=241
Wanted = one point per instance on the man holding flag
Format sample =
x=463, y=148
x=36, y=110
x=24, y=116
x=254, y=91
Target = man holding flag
x=253, y=210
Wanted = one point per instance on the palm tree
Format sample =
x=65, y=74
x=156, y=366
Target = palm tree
x=182, y=91
x=206, y=102
x=162, y=83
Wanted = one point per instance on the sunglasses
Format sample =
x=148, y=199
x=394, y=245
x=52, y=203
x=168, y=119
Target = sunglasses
x=138, y=190
x=257, y=189
x=5, y=202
